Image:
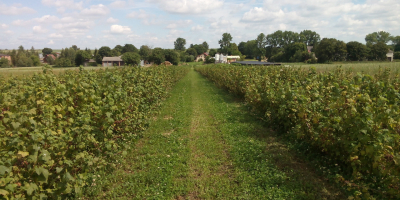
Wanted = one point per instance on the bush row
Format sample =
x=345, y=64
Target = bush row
x=55, y=130
x=352, y=119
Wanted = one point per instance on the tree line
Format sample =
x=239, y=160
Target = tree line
x=288, y=46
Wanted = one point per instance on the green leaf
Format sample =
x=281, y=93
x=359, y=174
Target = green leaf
x=124, y=153
x=44, y=171
x=59, y=169
x=3, y=192
x=23, y=153
x=4, y=169
x=15, y=125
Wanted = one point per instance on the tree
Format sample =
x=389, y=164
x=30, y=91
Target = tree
x=291, y=49
x=63, y=62
x=209, y=60
x=13, y=55
x=4, y=62
x=157, y=56
x=225, y=42
x=375, y=37
x=50, y=60
x=311, y=38
x=275, y=39
x=75, y=47
x=81, y=57
x=118, y=48
x=190, y=58
x=24, y=61
x=330, y=49
x=205, y=45
x=200, y=49
x=171, y=56
x=35, y=60
x=356, y=51
x=251, y=50
x=129, y=48
x=104, y=52
x=192, y=51
x=261, y=42
x=145, y=52
x=213, y=52
x=378, y=51
x=180, y=44
x=131, y=58
x=289, y=37
x=233, y=49
x=182, y=56
x=68, y=54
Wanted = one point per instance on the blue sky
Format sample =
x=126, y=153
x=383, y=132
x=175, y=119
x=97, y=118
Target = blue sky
x=157, y=23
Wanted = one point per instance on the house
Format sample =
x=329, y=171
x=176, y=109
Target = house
x=390, y=56
x=232, y=58
x=221, y=58
x=8, y=57
x=89, y=62
x=48, y=55
x=111, y=61
x=201, y=56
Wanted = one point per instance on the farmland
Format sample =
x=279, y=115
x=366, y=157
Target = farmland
x=170, y=133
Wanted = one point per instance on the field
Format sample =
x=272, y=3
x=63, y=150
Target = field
x=201, y=132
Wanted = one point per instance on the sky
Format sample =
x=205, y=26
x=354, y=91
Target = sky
x=158, y=23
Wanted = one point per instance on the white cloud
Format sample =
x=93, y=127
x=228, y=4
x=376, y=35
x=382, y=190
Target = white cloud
x=141, y=14
x=179, y=24
x=112, y=20
x=39, y=29
x=118, y=4
x=96, y=10
x=63, y=4
x=15, y=10
x=118, y=29
x=89, y=37
x=197, y=28
x=3, y=26
x=51, y=42
x=55, y=35
x=188, y=7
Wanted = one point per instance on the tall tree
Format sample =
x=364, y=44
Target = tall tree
x=356, y=51
x=233, y=49
x=47, y=51
x=375, y=37
x=129, y=48
x=205, y=45
x=180, y=44
x=330, y=49
x=192, y=51
x=261, y=44
x=378, y=51
x=104, y=51
x=145, y=52
x=131, y=58
x=311, y=37
x=172, y=56
x=81, y=57
x=200, y=49
x=118, y=48
x=157, y=56
x=225, y=42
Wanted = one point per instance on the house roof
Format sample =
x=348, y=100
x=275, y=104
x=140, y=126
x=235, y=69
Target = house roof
x=390, y=51
x=4, y=54
x=105, y=59
x=233, y=57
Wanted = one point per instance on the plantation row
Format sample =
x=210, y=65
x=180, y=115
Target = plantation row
x=56, y=130
x=353, y=119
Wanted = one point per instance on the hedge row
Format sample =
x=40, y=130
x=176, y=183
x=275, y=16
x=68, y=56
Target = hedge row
x=353, y=119
x=55, y=130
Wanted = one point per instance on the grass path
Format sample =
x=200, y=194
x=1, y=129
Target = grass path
x=207, y=145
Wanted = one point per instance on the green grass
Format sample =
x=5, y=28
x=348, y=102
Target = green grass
x=205, y=144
